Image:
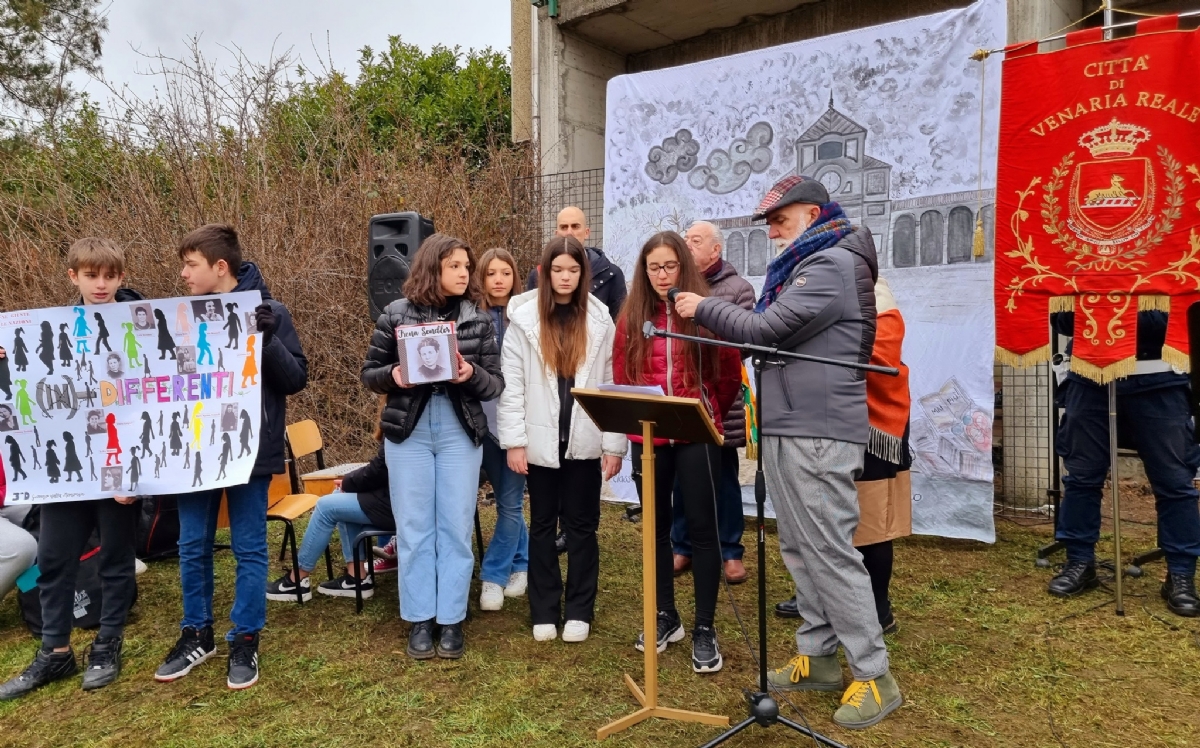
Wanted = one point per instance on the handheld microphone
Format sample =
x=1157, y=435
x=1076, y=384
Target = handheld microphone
x=672, y=294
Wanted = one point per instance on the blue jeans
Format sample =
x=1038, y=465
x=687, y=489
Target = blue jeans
x=1158, y=424
x=730, y=522
x=508, y=550
x=248, y=534
x=434, y=481
x=340, y=510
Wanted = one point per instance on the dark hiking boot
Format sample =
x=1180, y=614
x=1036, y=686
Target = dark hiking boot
x=1075, y=578
x=1179, y=591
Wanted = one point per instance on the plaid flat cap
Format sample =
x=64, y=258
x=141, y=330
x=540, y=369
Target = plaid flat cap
x=789, y=190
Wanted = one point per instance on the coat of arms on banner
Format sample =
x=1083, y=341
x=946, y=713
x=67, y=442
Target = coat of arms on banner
x=1097, y=198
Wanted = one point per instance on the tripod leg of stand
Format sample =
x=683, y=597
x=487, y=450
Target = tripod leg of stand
x=1116, y=496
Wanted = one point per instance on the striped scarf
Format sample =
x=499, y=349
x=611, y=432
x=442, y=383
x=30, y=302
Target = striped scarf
x=827, y=231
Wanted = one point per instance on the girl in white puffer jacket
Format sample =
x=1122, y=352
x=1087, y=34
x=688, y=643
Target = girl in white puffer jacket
x=559, y=337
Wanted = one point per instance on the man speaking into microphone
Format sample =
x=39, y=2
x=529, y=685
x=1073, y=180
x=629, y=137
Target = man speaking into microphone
x=818, y=299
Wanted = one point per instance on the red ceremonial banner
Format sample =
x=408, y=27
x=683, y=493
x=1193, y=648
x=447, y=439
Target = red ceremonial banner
x=1098, y=195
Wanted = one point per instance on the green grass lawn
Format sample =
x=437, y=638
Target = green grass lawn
x=984, y=658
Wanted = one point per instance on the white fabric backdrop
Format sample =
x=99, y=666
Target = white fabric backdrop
x=706, y=141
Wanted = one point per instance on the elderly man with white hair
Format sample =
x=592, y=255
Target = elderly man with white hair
x=705, y=242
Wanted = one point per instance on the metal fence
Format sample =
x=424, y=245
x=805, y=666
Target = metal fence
x=537, y=201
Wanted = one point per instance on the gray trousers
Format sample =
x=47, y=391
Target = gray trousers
x=17, y=552
x=811, y=482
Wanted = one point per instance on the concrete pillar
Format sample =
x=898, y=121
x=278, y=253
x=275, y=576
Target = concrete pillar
x=522, y=71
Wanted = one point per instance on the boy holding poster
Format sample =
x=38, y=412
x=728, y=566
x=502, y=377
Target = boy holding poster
x=212, y=264
x=97, y=268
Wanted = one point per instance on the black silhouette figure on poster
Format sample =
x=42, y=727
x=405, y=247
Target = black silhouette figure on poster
x=226, y=454
x=135, y=468
x=147, y=432
x=160, y=423
x=79, y=364
x=45, y=348
x=15, y=458
x=8, y=420
x=212, y=433
x=202, y=345
x=52, y=463
x=131, y=346
x=87, y=440
x=187, y=457
x=37, y=438
x=233, y=324
x=157, y=466
x=164, y=454
x=146, y=366
x=82, y=330
x=71, y=463
x=5, y=378
x=65, y=357
x=20, y=349
x=113, y=450
x=91, y=469
x=37, y=461
x=166, y=344
x=101, y=333
x=250, y=368
x=247, y=433
x=114, y=367
x=220, y=359
x=176, y=435
x=196, y=481
x=110, y=478
x=25, y=403
x=91, y=375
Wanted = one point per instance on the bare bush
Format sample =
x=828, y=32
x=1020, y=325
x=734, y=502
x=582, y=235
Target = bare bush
x=299, y=186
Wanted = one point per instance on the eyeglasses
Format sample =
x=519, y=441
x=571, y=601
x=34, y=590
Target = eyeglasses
x=655, y=269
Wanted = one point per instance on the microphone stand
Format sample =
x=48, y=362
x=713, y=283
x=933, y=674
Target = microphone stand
x=764, y=710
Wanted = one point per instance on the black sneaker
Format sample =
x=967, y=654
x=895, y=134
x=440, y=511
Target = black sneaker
x=103, y=662
x=420, y=641
x=343, y=586
x=450, y=642
x=243, y=662
x=706, y=655
x=1075, y=578
x=193, y=648
x=47, y=667
x=670, y=629
x=283, y=590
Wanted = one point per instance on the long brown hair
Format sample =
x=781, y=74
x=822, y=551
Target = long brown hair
x=424, y=284
x=642, y=304
x=564, y=343
x=497, y=253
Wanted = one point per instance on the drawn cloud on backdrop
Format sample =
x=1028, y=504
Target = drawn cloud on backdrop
x=727, y=170
x=676, y=154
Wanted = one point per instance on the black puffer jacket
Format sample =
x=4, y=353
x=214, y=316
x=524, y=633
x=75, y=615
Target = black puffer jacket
x=827, y=309
x=370, y=483
x=284, y=372
x=727, y=285
x=608, y=282
x=476, y=343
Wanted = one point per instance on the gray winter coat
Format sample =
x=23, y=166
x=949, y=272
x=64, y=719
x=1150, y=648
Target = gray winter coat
x=727, y=285
x=827, y=308
x=476, y=343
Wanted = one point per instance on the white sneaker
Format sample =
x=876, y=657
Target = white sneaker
x=139, y=566
x=517, y=583
x=576, y=631
x=545, y=632
x=492, y=596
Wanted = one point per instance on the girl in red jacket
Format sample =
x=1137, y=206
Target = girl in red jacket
x=682, y=369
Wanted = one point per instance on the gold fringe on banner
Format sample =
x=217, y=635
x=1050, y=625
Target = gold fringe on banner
x=1022, y=361
x=1123, y=368
x=1177, y=358
x=1062, y=304
x=1154, y=303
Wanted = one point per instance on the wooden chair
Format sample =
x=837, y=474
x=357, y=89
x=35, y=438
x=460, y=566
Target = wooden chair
x=305, y=439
